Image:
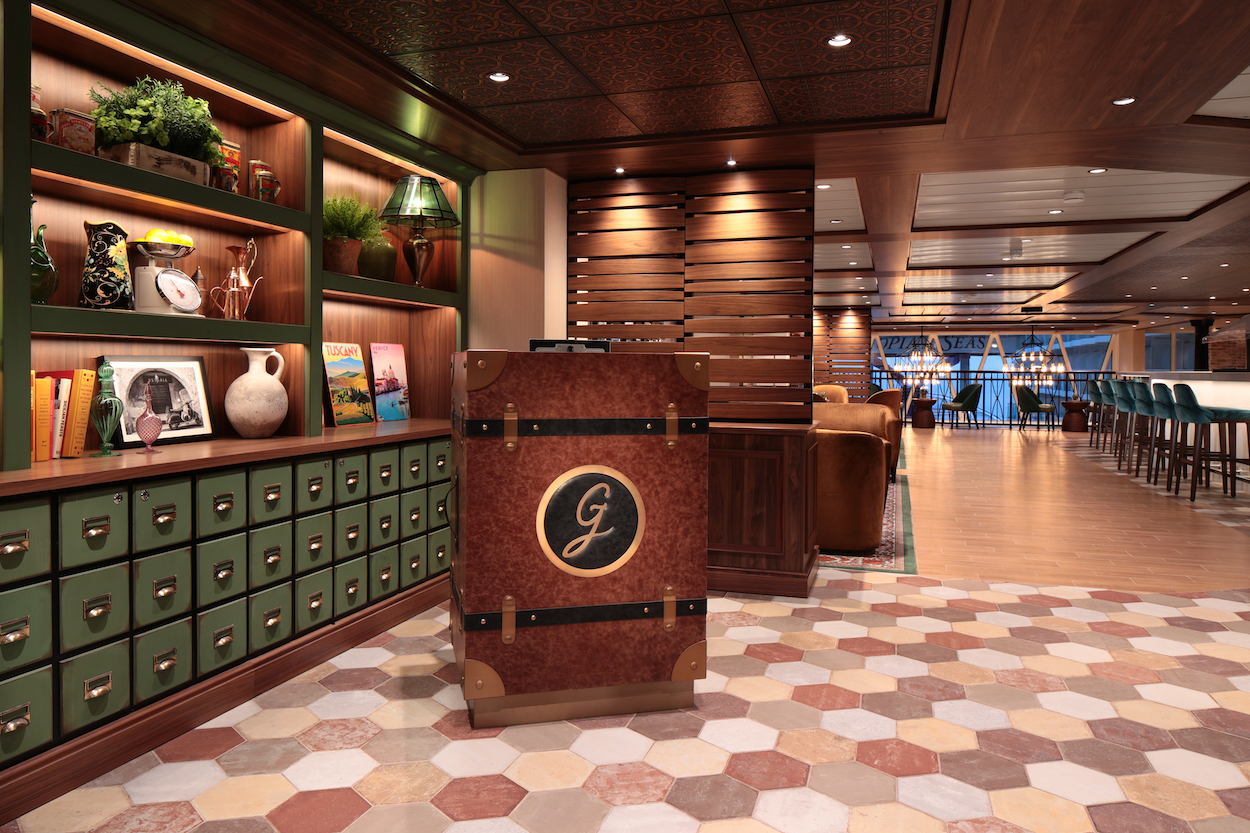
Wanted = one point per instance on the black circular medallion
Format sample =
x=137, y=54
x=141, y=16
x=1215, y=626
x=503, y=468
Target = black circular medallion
x=590, y=521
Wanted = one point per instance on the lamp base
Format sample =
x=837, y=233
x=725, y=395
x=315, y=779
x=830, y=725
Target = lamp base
x=418, y=253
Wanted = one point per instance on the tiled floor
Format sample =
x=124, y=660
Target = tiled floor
x=881, y=703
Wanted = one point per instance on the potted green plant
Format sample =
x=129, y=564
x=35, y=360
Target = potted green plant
x=346, y=223
x=155, y=125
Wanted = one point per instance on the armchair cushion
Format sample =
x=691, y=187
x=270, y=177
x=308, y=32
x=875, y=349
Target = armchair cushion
x=862, y=416
x=851, y=482
x=832, y=393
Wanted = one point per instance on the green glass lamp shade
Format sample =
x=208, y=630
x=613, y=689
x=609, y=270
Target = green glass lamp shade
x=106, y=412
x=419, y=202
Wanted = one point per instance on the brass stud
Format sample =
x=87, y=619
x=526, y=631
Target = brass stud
x=478, y=685
x=697, y=366
x=672, y=443
x=646, y=610
x=694, y=665
x=483, y=621
x=533, y=618
x=481, y=363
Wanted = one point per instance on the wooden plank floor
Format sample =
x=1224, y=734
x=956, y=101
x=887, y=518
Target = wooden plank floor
x=1014, y=506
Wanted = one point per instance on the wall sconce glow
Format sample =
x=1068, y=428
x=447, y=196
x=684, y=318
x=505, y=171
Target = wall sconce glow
x=1123, y=100
x=839, y=40
x=499, y=77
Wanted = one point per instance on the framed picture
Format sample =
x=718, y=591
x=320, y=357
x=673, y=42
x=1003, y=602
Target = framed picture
x=179, y=397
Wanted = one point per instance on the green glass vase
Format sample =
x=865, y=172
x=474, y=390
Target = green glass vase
x=106, y=412
x=44, y=276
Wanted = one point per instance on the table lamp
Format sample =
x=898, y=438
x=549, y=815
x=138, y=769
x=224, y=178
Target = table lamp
x=419, y=202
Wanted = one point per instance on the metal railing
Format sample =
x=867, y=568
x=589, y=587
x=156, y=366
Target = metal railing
x=997, y=405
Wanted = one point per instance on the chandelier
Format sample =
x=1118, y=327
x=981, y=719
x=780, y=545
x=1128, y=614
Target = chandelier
x=1033, y=363
x=922, y=364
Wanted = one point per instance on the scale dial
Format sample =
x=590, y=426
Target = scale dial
x=178, y=290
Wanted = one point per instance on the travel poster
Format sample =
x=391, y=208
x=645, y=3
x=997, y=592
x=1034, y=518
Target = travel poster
x=390, y=381
x=347, y=383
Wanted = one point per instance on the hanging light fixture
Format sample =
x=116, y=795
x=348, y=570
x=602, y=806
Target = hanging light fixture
x=1033, y=364
x=922, y=364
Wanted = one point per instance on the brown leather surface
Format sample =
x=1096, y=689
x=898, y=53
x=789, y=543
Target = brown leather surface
x=850, y=489
x=862, y=416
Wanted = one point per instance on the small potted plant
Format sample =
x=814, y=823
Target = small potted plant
x=155, y=125
x=346, y=223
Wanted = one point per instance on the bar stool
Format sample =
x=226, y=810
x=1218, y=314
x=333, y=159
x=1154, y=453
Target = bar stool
x=1110, y=415
x=1144, y=425
x=1228, y=419
x=1094, y=395
x=1167, y=426
x=1126, y=409
x=1189, y=412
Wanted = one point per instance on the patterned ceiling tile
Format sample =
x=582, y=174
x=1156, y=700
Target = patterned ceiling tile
x=394, y=26
x=570, y=120
x=682, y=54
x=697, y=108
x=539, y=73
x=886, y=33
x=552, y=17
x=862, y=95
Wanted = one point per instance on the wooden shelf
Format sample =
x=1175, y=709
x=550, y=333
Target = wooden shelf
x=71, y=321
x=351, y=287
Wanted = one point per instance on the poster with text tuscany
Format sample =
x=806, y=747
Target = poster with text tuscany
x=390, y=381
x=347, y=383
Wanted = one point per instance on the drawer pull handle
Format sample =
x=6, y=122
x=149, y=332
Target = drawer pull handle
x=414, y=564
x=15, y=630
x=223, y=502
x=441, y=508
x=163, y=587
x=353, y=477
x=223, y=636
x=415, y=516
x=384, y=471
x=314, y=485
x=162, y=515
x=314, y=600
x=440, y=462
x=384, y=574
x=97, y=686
x=441, y=553
x=94, y=527
x=223, y=570
x=273, y=617
x=273, y=492
x=17, y=546
x=414, y=467
x=14, y=719
x=97, y=606
x=314, y=542
x=384, y=522
x=273, y=554
x=353, y=532
x=352, y=587
x=164, y=661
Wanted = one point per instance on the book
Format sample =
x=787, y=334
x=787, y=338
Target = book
x=60, y=405
x=390, y=381
x=77, y=409
x=347, y=384
x=43, y=419
x=32, y=416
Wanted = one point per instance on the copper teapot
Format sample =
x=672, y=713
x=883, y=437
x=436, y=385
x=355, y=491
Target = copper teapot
x=235, y=297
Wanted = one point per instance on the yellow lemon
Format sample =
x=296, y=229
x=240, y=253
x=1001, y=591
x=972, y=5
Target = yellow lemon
x=156, y=235
x=184, y=240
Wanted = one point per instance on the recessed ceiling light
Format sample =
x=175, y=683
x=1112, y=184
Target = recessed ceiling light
x=1184, y=307
x=1097, y=170
x=845, y=246
x=835, y=221
x=731, y=162
x=1128, y=296
x=1154, y=287
x=499, y=77
x=1223, y=264
x=1055, y=211
x=1120, y=102
x=980, y=284
x=1008, y=257
x=989, y=274
x=620, y=170
x=1026, y=239
x=1210, y=297
x=839, y=40
x=1184, y=277
x=854, y=262
x=1166, y=317
x=823, y=186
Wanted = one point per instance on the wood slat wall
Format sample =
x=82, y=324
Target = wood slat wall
x=842, y=349
x=626, y=271
x=749, y=248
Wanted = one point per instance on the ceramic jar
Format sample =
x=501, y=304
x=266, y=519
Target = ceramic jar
x=106, y=281
x=256, y=402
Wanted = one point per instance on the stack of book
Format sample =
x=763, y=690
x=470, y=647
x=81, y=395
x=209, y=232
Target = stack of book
x=60, y=408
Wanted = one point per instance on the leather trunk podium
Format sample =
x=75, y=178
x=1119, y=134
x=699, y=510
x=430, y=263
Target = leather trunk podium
x=579, y=513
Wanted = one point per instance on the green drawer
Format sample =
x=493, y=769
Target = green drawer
x=162, y=659
x=95, y=685
x=412, y=559
x=314, y=600
x=314, y=485
x=270, y=555
x=221, y=636
x=384, y=574
x=269, y=493
x=26, y=705
x=383, y=471
x=351, y=531
x=439, y=548
x=25, y=539
x=440, y=460
x=351, y=478
x=25, y=626
x=94, y=526
x=95, y=606
x=436, y=500
x=162, y=587
x=384, y=526
x=162, y=514
x=314, y=541
x=220, y=502
x=269, y=617
x=220, y=569
x=413, y=518
x=351, y=585
x=412, y=466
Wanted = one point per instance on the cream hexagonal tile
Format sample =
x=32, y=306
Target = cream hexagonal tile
x=936, y=735
x=78, y=810
x=858, y=724
x=923, y=624
x=239, y=713
x=328, y=770
x=244, y=795
x=801, y=810
x=552, y=770
x=1060, y=624
x=687, y=757
x=1074, y=782
x=1060, y=667
x=1155, y=714
x=759, y=689
x=1144, y=659
x=1202, y=770
x=736, y=826
x=1233, y=653
x=996, y=597
x=361, y=658
x=402, y=783
x=1178, y=696
x=1211, y=614
x=418, y=627
x=808, y=640
x=408, y=714
x=1048, y=724
x=1176, y=798
x=1238, y=701
x=612, y=746
x=862, y=681
x=179, y=781
x=411, y=665
x=875, y=818
x=1063, y=592
x=478, y=756
x=897, y=635
x=816, y=746
x=962, y=673
x=982, y=630
x=1141, y=620
x=276, y=723
x=735, y=735
x=766, y=609
x=922, y=600
x=841, y=629
x=719, y=646
x=1039, y=811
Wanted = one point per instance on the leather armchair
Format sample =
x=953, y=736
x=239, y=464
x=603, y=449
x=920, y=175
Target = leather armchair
x=850, y=489
x=862, y=416
x=832, y=393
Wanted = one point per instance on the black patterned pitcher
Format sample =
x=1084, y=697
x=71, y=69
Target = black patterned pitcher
x=106, y=282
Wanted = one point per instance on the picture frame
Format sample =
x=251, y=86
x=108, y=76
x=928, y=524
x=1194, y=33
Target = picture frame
x=179, y=396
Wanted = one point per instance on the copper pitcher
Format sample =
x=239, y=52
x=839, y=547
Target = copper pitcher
x=235, y=297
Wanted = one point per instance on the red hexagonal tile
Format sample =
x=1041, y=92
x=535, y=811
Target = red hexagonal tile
x=354, y=679
x=1044, y=636
x=479, y=797
x=733, y=620
x=318, y=811
x=1226, y=720
x=972, y=605
x=1237, y=801
x=1132, y=734
x=952, y=639
x=818, y=614
x=455, y=726
x=896, y=705
x=897, y=757
x=983, y=770
x=849, y=584
x=826, y=697
x=774, y=652
x=449, y=674
x=866, y=646
x=717, y=705
x=896, y=609
x=933, y=689
x=1212, y=665
x=1124, y=672
x=1189, y=623
x=632, y=783
x=342, y=733
x=199, y=745
x=167, y=817
x=1027, y=679
x=712, y=797
x=988, y=824
x=767, y=770
x=1042, y=600
x=1214, y=744
x=1114, y=596
x=1125, y=816
x=1118, y=629
x=1016, y=745
x=1104, y=756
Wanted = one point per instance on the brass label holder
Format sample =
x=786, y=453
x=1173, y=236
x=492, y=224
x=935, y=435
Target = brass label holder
x=670, y=426
x=670, y=609
x=508, y=632
x=510, y=426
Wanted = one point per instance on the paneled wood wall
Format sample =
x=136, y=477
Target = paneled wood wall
x=720, y=263
x=843, y=337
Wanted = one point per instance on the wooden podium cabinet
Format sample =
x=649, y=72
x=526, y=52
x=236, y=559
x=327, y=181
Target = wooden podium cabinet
x=579, y=510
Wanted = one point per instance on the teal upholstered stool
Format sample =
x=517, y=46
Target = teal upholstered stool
x=1111, y=415
x=965, y=402
x=1228, y=419
x=1167, y=427
x=1125, y=410
x=1189, y=412
x=1144, y=425
x=1094, y=395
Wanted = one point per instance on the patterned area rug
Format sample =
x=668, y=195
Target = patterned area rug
x=897, y=553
